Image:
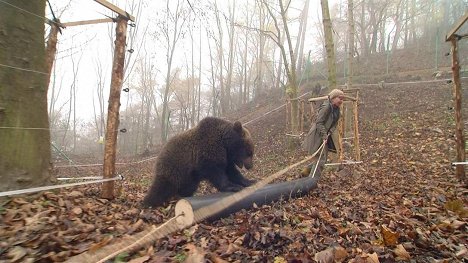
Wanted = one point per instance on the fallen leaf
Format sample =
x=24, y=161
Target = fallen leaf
x=373, y=258
x=325, y=256
x=279, y=259
x=390, y=238
x=401, y=253
x=456, y=206
x=140, y=259
x=16, y=253
x=77, y=211
x=340, y=254
x=215, y=258
x=101, y=244
x=75, y=194
x=194, y=254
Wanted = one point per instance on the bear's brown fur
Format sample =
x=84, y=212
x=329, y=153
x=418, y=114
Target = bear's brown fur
x=210, y=151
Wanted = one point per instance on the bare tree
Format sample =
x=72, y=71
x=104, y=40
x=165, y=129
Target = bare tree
x=289, y=59
x=172, y=29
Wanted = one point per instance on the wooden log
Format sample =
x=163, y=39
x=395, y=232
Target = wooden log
x=264, y=195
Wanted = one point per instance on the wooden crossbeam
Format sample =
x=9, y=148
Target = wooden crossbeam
x=88, y=22
x=116, y=9
x=457, y=26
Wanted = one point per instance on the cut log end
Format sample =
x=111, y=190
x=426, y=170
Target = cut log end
x=184, y=213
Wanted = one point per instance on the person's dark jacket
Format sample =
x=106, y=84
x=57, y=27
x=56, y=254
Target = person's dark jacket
x=325, y=124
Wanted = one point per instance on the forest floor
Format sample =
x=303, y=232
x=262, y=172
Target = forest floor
x=403, y=203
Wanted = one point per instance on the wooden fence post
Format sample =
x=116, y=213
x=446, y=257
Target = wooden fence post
x=114, y=106
x=461, y=156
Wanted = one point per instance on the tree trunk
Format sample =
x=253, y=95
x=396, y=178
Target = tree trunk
x=350, y=43
x=300, y=44
x=260, y=55
x=329, y=46
x=231, y=55
x=25, y=147
x=364, y=42
x=223, y=102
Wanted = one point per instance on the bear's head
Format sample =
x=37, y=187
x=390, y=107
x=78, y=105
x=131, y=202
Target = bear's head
x=243, y=155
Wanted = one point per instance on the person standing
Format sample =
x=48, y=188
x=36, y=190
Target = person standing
x=321, y=130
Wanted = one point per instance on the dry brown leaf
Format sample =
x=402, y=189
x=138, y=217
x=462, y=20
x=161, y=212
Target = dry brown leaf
x=390, y=238
x=215, y=258
x=77, y=211
x=340, y=254
x=75, y=194
x=140, y=259
x=373, y=258
x=101, y=244
x=194, y=254
x=16, y=253
x=401, y=253
x=325, y=256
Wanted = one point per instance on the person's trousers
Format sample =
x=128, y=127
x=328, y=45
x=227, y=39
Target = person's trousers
x=320, y=163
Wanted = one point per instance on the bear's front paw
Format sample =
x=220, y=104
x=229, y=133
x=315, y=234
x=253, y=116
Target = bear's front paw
x=247, y=182
x=233, y=188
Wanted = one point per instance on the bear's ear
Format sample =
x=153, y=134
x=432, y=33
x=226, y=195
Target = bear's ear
x=238, y=127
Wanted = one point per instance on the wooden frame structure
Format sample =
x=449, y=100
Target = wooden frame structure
x=116, y=83
x=453, y=37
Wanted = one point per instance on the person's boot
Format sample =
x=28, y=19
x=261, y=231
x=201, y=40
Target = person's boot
x=306, y=171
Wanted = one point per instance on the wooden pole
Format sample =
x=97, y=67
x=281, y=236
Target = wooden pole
x=341, y=130
x=288, y=105
x=460, y=140
x=357, y=151
x=302, y=115
x=51, y=49
x=114, y=106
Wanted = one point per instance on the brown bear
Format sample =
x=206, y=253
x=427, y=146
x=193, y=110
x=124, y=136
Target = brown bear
x=210, y=151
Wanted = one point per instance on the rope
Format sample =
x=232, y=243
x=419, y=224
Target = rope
x=138, y=242
x=80, y=178
x=30, y=128
x=273, y=110
x=23, y=69
x=100, y=164
x=50, y=187
x=47, y=129
x=321, y=148
x=407, y=82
